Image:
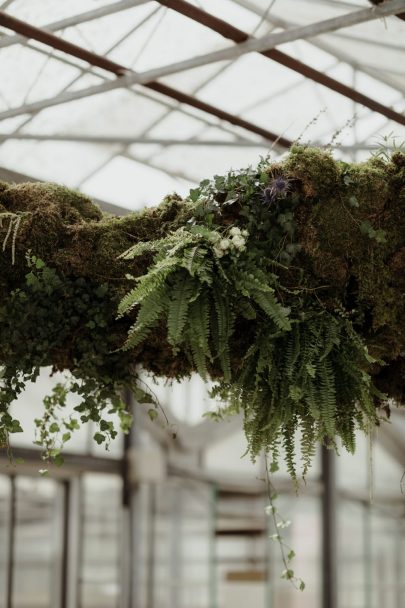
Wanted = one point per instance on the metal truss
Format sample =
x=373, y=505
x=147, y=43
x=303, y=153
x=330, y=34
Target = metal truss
x=321, y=44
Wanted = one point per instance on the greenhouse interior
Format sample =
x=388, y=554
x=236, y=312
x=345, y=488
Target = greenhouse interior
x=202, y=340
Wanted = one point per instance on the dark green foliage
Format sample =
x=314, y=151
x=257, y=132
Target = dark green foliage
x=57, y=314
x=276, y=282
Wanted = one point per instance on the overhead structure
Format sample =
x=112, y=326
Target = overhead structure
x=153, y=90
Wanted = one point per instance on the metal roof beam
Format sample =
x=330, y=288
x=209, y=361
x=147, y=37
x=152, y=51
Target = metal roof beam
x=128, y=140
x=102, y=11
x=126, y=78
x=324, y=46
x=270, y=41
x=237, y=35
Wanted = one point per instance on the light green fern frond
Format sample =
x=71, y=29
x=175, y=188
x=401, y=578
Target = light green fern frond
x=268, y=303
x=183, y=289
x=147, y=284
x=149, y=314
x=198, y=333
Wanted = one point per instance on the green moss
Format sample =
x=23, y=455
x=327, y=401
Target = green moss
x=315, y=169
x=329, y=248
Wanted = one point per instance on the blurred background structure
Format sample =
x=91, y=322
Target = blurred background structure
x=128, y=100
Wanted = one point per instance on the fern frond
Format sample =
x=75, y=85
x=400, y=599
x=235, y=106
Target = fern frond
x=278, y=314
x=183, y=289
x=198, y=333
x=327, y=397
x=140, y=248
x=149, y=314
x=147, y=284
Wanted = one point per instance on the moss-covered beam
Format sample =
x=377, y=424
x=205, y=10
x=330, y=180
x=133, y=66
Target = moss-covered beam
x=330, y=233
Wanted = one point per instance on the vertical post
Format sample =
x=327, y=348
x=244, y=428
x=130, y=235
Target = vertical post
x=329, y=553
x=151, y=547
x=213, y=563
x=11, y=539
x=65, y=541
x=127, y=562
x=74, y=556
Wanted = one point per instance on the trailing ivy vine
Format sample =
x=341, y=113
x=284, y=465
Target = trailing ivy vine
x=282, y=283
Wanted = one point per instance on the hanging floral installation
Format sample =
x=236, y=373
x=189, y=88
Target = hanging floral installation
x=283, y=284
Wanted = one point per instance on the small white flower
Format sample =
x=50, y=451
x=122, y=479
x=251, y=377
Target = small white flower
x=218, y=252
x=214, y=237
x=238, y=241
x=234, y=231
x=224, y=244
x=245, y=233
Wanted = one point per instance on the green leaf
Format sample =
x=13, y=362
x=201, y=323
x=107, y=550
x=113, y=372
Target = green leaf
x=288, y=574
x=291, y=555
x=152, y=413
x=15, y=427
x=99, y=438
x=142, y=396
x=59, y=460
x=194, y=194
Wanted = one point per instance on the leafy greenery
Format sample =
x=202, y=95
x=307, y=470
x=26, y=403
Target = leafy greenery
x=281, y=283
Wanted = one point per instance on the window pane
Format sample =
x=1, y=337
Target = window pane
x=101, y=533
x=37, y=543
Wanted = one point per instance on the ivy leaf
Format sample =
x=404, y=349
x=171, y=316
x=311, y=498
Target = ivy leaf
x=59, y=460
x=152, y=413
x=99, y=438
x=194, y=194
x=288, y=574
x=15, y=427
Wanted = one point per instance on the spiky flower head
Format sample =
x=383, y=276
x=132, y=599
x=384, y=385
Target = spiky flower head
x=279, y=186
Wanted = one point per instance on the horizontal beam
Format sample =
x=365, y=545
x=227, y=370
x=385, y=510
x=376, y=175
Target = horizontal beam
x=74, y=463
x=239, y=36
x=126, y=78
x=128, y=141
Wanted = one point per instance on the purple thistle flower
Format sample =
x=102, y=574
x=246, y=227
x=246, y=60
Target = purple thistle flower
x=279, y=186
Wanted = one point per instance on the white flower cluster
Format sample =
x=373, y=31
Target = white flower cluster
x=236, y=242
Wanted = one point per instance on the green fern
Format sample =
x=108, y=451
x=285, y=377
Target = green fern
x=198, y=332
x=147, y=284
x=183, y=289
x=151, y=310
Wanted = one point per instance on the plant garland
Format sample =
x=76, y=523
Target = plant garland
x=283, y=283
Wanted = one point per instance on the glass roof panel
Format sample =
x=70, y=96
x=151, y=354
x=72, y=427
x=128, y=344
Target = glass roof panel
x=145, y=35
